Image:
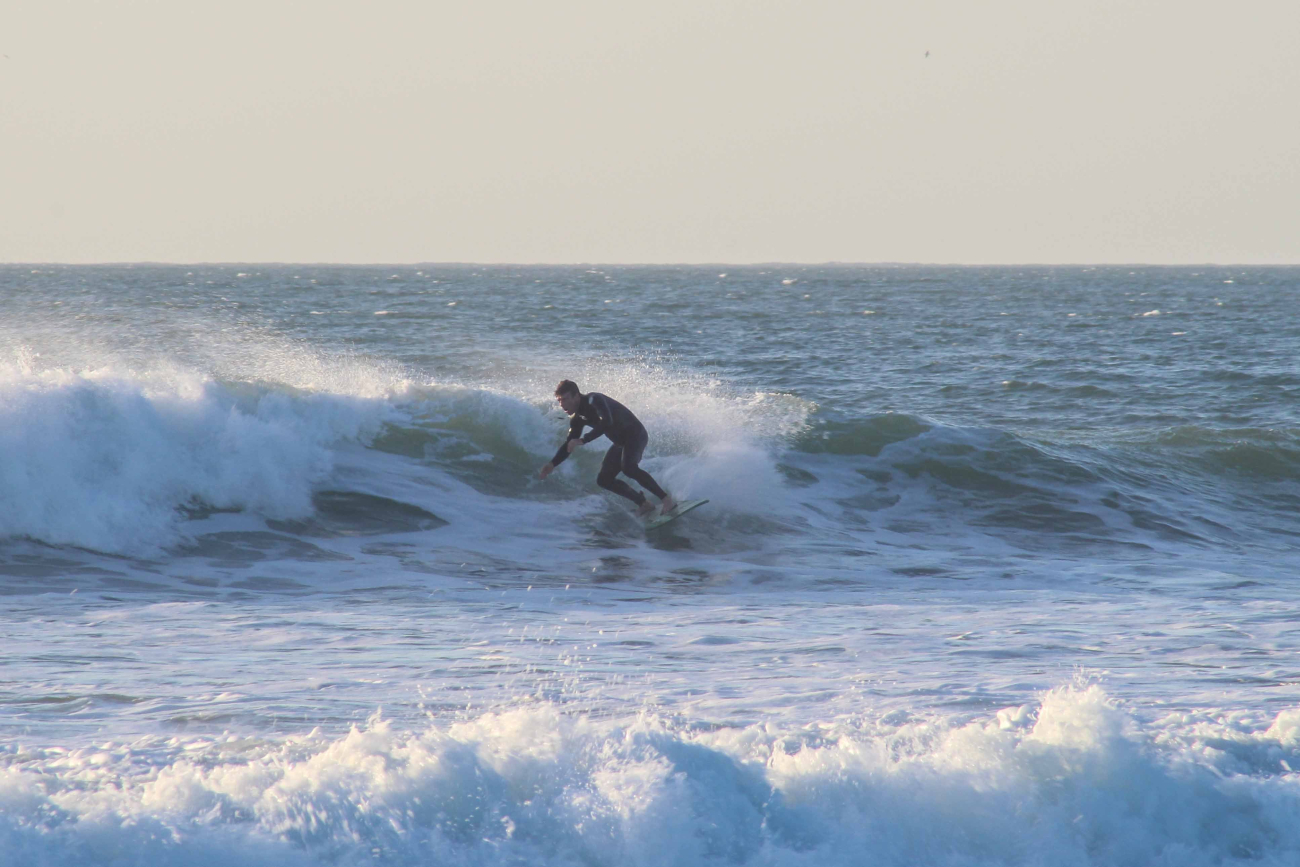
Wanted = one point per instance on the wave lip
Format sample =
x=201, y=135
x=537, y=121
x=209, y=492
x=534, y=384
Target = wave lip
x=1072, y=780
x=868, y=437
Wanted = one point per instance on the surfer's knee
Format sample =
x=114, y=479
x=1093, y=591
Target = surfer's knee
x=606, y=479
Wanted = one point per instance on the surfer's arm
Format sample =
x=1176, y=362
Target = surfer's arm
x=575, y=433
x=604, y=419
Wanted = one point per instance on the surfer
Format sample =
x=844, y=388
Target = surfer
x=607, y=417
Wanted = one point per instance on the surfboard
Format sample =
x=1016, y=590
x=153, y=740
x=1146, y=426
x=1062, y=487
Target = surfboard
x=676, y=512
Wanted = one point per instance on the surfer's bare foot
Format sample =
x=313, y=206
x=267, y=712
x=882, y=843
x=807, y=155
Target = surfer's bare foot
x=645, y=509
x=667, y=505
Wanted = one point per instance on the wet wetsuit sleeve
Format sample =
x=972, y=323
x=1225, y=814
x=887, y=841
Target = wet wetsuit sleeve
x=604, y=417
x=576, y=425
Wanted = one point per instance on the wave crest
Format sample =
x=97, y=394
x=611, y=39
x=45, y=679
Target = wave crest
x=105, y=460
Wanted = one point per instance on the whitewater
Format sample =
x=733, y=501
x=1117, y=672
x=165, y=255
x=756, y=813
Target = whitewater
x=1000, y=567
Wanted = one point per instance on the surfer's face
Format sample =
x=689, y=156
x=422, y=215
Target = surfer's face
x=569, y=402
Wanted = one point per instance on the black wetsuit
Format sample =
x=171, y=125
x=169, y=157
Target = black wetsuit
x=607, y=417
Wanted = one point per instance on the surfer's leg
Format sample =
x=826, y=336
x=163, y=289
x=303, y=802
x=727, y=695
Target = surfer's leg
x=631, y=466
x=609, y=480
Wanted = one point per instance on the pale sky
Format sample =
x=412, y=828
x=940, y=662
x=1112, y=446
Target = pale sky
x=668, y=131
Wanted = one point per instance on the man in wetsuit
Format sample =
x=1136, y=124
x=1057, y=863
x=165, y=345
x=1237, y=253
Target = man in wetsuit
x=607, y=417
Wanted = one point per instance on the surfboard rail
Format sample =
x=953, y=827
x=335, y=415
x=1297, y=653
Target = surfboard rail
x=676, y=512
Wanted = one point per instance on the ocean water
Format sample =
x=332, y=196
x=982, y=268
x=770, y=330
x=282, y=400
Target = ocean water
x=1000, y=567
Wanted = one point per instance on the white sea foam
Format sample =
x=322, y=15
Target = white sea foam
x=104, y=458
x=1072, y=781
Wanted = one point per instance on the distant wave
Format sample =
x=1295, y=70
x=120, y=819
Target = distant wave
x=1186, y=484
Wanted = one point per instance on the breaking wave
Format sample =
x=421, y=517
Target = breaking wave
x=1071, y=780
x=119, y=460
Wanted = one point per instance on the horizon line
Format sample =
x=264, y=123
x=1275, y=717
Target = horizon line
x=774, y=263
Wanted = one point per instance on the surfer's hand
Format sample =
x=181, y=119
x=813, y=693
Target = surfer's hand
x=574, y=445
x=546, y=470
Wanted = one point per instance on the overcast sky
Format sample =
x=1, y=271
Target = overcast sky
x=666, y=131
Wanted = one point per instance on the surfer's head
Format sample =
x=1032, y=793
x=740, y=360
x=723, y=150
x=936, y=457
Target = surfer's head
x=568, y=395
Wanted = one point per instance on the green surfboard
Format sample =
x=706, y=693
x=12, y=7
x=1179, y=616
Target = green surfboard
x=676, y=512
